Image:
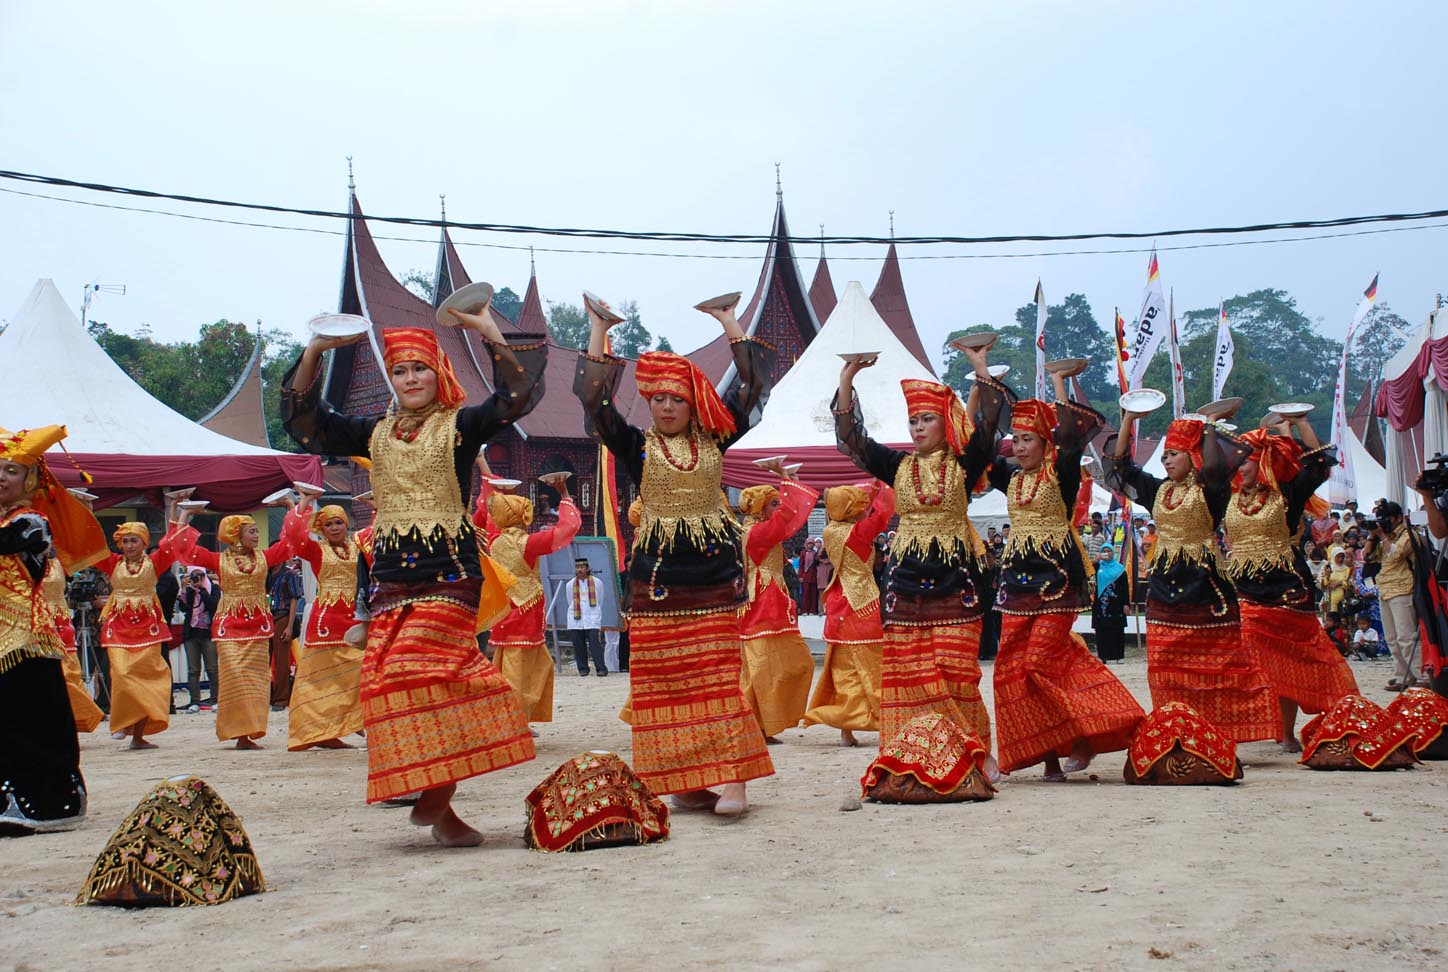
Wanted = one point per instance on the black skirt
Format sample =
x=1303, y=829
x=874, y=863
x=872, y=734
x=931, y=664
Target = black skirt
x=40, y=777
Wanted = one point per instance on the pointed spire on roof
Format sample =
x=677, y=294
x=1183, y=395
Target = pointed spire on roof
x=532, y=267
x=822, y=288
x=449, y=274
x=240, y=415
x=351, y=183
x=778, y=186
x=889, y=299
x=531, y=318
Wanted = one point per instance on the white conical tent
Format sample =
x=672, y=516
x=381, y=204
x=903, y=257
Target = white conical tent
x=56, y=374
x=797, y=420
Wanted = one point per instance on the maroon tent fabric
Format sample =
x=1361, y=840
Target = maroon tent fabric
x=823, y=466
x=1401, y=398
x=233, y=484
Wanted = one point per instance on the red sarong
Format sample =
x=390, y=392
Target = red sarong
x=932, y=669
x=1218, y=677
x=1300, y=661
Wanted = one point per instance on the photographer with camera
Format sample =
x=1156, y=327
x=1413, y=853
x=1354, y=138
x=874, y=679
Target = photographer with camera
x=197, y=603
x=1395, y=588
x=1433, y=487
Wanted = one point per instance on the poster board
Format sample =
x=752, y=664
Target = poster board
x=557, y=568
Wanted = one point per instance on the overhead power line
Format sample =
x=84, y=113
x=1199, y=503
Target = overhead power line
x=681, y=237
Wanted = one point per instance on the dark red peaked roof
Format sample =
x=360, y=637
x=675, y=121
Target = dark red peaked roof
x=889, y=300
x=1364, y=423
x=240, y=414
x=822, y=291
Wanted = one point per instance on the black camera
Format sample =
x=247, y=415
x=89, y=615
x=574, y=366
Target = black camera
x=1435, y=475
x=84, y=586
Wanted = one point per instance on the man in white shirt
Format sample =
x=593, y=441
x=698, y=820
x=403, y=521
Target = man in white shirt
x=583, y=607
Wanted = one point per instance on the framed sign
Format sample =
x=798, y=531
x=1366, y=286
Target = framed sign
x=556, y=569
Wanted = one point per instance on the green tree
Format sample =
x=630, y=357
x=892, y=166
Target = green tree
x=189, y=377
x=630, y=338
x=420, y=282
x=664, y=344
x=1376, y=342
x=280, y=351
x=568, y=326
x=508, y=304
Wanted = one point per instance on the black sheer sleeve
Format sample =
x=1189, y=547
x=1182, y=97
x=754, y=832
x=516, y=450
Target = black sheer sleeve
x=1075, y=426
x=317, y=427
x=852, y=440
x=1124, y=476
x=753, y=364
x=595, y=382
x=29, y=536
x=1316, y=468
x=1222, y=455
x=992, y=402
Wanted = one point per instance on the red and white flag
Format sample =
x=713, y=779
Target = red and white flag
x=1178, y=377
x=1342, y=483
x=1151, y=325
x=1042, y=386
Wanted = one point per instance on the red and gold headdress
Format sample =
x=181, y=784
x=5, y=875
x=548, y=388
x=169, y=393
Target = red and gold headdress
x=1185, y=435
x=673, y=374
x=1034, y=415
x=75, y=532
x=420, y=344
x=1278, y=457
x=930, y=396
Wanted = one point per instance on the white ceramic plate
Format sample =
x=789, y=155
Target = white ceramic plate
x=1068, y=367
x=1142, y=401
x=768, y=461
x=194, y=504
x=307, y=488
x=339, y=325
x=794, y=468
x=996, y=371
x=980, y=339
x=596, y=304
x=506, y=484
x=1223, y=407
x=1290, y=409
x=721, y=302
x=853, y=356
x=363, y=497
x=276, y=497
x=466, y=300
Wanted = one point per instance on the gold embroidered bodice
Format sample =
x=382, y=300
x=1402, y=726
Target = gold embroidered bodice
x=508, y=549
x=337, y=580
x=677, y=500
x=766, y=573
x=921, y=522
x=242, y=593
x=52, y=587
x=135, y=591
x=26, y=630
x=1183, y=524
x=1037, y=512
x=1258, y=536
x=415, y=483
x=852, y=575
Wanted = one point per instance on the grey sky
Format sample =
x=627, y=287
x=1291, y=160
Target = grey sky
x=963, y=119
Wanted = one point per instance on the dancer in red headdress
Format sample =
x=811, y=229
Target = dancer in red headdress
x=936, y=587
x=1053, y=698
x=692, y=728
x=1194, y=649
x=436, y=711
x=1274, y=586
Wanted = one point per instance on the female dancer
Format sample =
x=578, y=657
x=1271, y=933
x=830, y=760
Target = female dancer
x=1194, y=648
x=692, y=729
x=242, y=628
x=41, y=788
x=87, y=714
x=847, y=696
x=435, y=709
x=777, y=664
x=132, y=630
x=936, y=573
x=1274, y=587
x=324, y=705
x=1053, y=697
x=517, y=640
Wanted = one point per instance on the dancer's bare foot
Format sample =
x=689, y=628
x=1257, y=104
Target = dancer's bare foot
x=139, y=743
x=1053, y=771
x=772, y=741
x=847, y=738
x=334, y=744
x=695, y=800
x=450, y=831
x=432, y=805
x=992, y=769
x=246, y=742
x=732, y=801
x=1288, y=708
x=1080, y=757
x=1291, y=745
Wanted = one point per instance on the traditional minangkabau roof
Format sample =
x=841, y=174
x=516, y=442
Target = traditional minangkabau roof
x=240, y=414
x=889, y=299
x=1364, y=424
x=822, y=290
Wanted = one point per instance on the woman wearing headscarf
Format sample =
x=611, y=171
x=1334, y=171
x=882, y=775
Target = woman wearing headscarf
x=809, y=586
x=1194, y=648
x=324, y=705
x=1335, y=579
x=847, y=696
x=936, y=575
x=519, y=651
x=242, y=627
x=435, y=709
x=41, y=787
x=1108, y=610
x=777, y=664
x=1271, y=491
x=132, y=630
x=88, y=715
x=692, y=729
x=1053, y=698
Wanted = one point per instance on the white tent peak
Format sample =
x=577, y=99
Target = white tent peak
x=798, y=413
x=58, y=374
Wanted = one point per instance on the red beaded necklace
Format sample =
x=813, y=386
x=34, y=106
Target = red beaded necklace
x=693, y=453
x=939, y=496
x=1171, y=491
x=249, y=567
x=1252, y=506
x=1038, y=476
x=140, y=565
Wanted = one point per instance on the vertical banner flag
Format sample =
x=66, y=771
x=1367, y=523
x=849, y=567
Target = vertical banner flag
x=1120, y=350
x=1342, y=484
x=1178, y=377
x=605, y=497
x=1226, y=353
x=1042, y=392
x=1150, y=326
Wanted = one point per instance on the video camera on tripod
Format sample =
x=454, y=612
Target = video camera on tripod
x=1435, y=475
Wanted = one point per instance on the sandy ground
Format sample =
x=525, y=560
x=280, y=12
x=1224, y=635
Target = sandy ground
x=1293, y=869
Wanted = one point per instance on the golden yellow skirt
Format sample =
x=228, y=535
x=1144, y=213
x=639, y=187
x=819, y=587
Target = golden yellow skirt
x=847, y=695
x=529, y=670
x=325, y=702
x=775, y=678
x=87, y=714
x=140, y=689
x=245, y=697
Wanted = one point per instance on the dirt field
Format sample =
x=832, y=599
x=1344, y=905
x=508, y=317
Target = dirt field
x=1293, y=869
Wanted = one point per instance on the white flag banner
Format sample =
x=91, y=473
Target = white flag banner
x=1151, y=326
x=1226, y=353
x=1042, y=386
x=1178, y=377
x=1342, y=483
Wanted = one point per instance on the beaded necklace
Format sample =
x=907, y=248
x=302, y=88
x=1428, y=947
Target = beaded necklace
x=1037, y=475
x=1171, y=491
x=668, y=457
x=939, y=496
x=250, y=567
x=140, y=565
x=1253, y=506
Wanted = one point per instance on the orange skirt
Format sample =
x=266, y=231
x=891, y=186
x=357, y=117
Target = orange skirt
x=140, y=689
x=436, y=710
x=1210, y=670
x=244, y=698
x=691, y=726
x=1299, y=659
x=774, y=675
x=324, y=703
x=932, y=669
x=529, y=670
x=87, y=714
x=847, y=696
x=1051, y=691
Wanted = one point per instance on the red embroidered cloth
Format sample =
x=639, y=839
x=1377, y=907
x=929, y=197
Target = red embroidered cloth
x=1177, y=722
